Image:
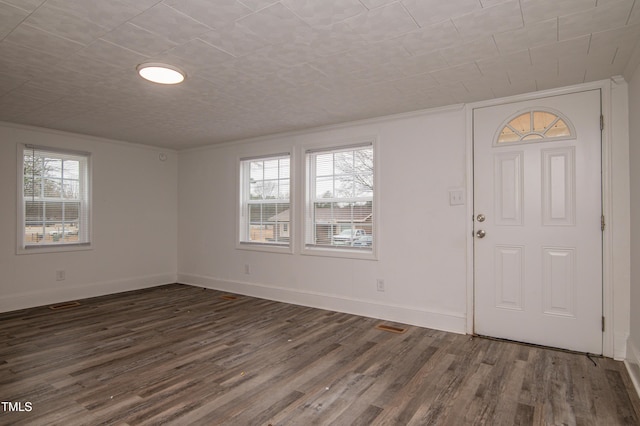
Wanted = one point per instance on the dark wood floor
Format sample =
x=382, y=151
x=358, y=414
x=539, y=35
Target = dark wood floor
x=183, y=355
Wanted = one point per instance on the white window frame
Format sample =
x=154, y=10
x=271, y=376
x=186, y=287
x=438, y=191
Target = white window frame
x=309, y=198
x=242, y=219
x=85, y=199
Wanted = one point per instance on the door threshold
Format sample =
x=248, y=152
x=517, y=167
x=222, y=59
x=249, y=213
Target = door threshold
x=535, y=345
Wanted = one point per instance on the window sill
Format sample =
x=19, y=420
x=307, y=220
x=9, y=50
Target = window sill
x=339, y=253
x=54, y=248
x=265, y=248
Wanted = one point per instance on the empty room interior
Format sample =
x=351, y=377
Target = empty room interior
x=323, y=215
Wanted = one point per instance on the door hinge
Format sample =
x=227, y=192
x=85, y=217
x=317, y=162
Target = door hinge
x=602, y=224
x=601, y=122
x=603, y=324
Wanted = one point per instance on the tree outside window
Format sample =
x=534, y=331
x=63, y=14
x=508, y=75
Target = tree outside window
x=340, y=208
x=54, y=193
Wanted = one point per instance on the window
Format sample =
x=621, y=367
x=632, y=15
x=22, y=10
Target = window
x=265, y=193
x=54, y=194
x=533, y=126
x=340, y=199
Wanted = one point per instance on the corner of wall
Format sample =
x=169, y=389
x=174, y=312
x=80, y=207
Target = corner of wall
x=633, y=363
x=30, y=299
x=632, y=74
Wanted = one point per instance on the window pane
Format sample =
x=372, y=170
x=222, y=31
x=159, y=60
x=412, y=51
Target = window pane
x=324, y=187
x=53, y=213
x=71, y=234
x=340, y=224
x=33, y=165
x=542, y=120
x=559, y=129
x=257, y=170
x=34, y=213
x=270, y=189
x=284, y=189
x=72, y=213
x=285, y=168
x=268, y=212
x=283, y=212
x=32, y=186
x=267, y=222
x=52, y=188
x=71, y=189
x=522, y=123
x=256, y=190
x=508, y=135
x=260, y=233
x=344, y=162
x=28, y=163
x=33, y=235
x=71, y=169
x=52, y=167
x=344, y=187
x=364, y=186
x=364, y=161
x=281, y=223
x=324, y=164
x=271, y=169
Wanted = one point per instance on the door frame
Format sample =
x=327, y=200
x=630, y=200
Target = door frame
x=610, y=348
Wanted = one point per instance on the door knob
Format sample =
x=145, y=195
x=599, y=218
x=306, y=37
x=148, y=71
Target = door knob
x=481, y=233
x=480, y=218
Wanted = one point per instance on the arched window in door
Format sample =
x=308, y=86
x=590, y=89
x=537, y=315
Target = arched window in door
x=535, y=125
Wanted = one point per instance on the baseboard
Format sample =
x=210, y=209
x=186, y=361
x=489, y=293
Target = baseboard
x=59, y=294
x=620, y=340
x=445, y=321
x=633, y=363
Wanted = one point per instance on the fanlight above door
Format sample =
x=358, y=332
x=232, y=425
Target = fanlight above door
x=535, y=125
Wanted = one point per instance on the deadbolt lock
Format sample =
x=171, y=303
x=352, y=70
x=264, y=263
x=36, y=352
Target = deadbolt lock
x=480, y=218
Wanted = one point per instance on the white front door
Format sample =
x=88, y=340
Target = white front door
x=537, y=221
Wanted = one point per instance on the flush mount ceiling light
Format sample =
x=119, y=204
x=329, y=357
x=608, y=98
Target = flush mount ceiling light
x=161, y=73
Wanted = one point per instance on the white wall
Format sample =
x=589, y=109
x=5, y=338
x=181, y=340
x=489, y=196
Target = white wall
x=422, y=255
x=423, y=251
x=134, y=223
x=138, y=200
x=633, y=347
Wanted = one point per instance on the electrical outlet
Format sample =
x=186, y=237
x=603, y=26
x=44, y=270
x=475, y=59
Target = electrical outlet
x=61, y=275
x=456, y=197
x=380, y=284
x=247, y=269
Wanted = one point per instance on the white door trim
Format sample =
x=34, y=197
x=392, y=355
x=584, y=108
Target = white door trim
x=607, y=202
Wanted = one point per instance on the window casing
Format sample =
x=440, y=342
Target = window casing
x=54, y=192
x=265, y=192
x=340, y=206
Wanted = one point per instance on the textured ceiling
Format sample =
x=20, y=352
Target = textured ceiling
x=257, y=67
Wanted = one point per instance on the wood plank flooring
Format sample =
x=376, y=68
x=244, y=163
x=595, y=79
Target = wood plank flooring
x=183, y=355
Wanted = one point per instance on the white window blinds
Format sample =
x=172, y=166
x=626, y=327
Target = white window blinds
x=339, y=211
x=55, y=198
x=265, y=200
